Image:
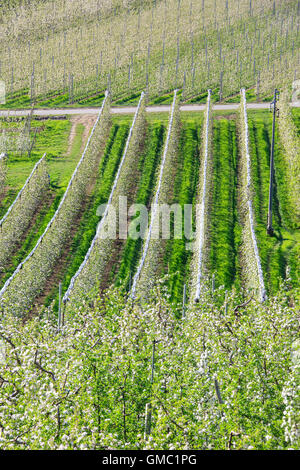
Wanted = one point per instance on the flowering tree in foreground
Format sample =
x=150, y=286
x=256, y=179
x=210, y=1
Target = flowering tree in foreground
x=223, y=377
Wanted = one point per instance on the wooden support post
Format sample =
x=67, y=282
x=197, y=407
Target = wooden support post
x=218, y=393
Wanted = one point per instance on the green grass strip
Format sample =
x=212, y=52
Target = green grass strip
x=279, y=251
x=148, y=165
x=296, y=118
x=177, y=256
x=224, y=229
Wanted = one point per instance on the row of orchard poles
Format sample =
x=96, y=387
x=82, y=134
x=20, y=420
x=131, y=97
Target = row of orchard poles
x=70, y=88
x=71, y=98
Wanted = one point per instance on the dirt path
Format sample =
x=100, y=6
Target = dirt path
x=88, y=120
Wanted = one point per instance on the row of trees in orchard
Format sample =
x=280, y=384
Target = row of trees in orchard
x=157, y=46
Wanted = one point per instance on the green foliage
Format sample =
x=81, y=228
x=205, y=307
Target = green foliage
x=185, y=185
x=296, y=118
x=280, y=251
x=87, y=386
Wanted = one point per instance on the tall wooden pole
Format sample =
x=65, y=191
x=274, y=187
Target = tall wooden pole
x=270, y=230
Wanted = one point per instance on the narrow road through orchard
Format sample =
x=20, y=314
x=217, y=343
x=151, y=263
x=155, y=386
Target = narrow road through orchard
x=132, y=109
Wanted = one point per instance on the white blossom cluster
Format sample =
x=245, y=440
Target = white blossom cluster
x=214, y=381
x=291, y=396
x=15, y=135
x=10, y=143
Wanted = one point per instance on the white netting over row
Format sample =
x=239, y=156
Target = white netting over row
x=156, y=199
x=249, y=199
x=201, y=216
